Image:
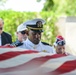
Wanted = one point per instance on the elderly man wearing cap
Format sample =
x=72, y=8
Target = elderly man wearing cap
x=21, y=35
x=59, y=45
x=33, y=42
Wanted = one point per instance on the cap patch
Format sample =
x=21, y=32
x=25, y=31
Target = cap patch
x=39, y=24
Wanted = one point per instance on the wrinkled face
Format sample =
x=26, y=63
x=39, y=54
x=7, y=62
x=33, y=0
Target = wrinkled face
x=60, y=49
x=1, y=26
x=22, y=35
x=34, y=37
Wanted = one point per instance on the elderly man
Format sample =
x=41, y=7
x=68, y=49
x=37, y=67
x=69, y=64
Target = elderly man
x=5, y=38
x=21, y=35
x=33, y=42
x=59, y=45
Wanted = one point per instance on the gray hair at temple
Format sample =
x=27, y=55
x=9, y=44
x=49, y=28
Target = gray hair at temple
x=2, y=20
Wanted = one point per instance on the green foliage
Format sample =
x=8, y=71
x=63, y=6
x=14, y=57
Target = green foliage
x=48, y=5
x=70, y=7
x=12, y=19
x=60, y=7
x=49, y=28
x=51, y=11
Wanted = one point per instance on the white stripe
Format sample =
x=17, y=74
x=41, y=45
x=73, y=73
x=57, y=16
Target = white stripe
x=53, y=64
x=26, y=72
x=21, y=59
x=70, y=73
x=3, y=50
x=31, y=72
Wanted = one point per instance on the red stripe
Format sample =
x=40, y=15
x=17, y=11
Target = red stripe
x=34, y=63
x=65, y=68
x=12, y=54
x=7, y=46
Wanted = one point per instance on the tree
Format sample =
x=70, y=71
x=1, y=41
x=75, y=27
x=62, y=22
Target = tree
x=59, y=7
x=48, y=5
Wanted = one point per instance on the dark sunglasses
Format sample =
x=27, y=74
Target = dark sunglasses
x=1, y=28
x=23, y=32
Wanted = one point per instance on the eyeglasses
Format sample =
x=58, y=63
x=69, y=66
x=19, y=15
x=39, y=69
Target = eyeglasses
x=1, y=28
x=23, y=32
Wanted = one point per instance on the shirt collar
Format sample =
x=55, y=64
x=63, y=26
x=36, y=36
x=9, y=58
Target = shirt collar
x=30, y=43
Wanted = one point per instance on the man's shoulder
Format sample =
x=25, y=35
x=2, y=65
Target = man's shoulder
x=48, y=48
x=44, y=43
x=17, y=43
x=7, y=33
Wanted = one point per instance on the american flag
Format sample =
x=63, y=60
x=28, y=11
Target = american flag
x=17, y=61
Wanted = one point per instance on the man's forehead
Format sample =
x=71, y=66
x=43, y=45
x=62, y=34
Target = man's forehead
x=60, y=46
x=36, y=31
x=0, y=21
x=1, y=24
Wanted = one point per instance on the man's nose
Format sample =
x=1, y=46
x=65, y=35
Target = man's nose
x=37, y=35
x=62, y=50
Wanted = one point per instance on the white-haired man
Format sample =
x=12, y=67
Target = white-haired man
x=21, y=35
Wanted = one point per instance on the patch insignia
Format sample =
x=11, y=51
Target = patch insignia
x=39, y=24
x=44, y=51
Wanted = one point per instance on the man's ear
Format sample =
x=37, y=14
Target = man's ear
x=16, y=33
x=27, y=32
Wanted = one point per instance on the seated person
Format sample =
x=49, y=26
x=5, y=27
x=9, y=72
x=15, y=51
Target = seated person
x=59, y=45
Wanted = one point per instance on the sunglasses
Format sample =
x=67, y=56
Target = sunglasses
x=1, y=28
x=23, y=32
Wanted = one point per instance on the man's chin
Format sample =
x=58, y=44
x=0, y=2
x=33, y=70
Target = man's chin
x=36, y=42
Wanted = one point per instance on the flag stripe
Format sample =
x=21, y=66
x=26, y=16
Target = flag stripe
x=70, y=73
x=66, y=67
x=16, y=61
x=55, y=63
x=12, y=54
x=34, y=63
